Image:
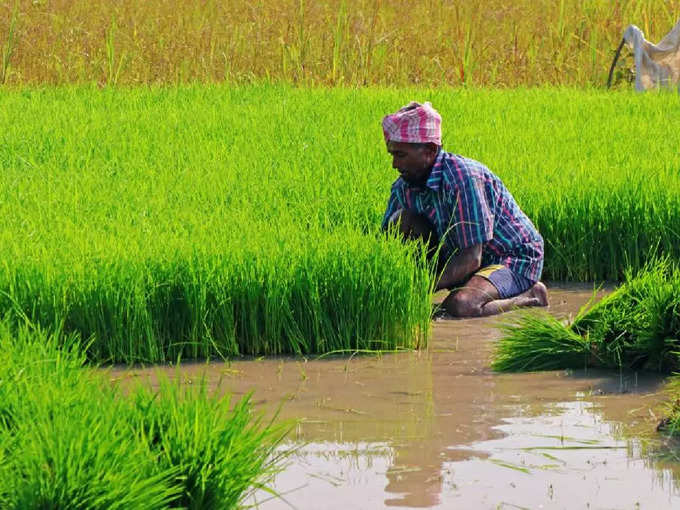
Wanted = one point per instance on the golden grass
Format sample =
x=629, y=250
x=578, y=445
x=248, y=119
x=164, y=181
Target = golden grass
x=335, y=42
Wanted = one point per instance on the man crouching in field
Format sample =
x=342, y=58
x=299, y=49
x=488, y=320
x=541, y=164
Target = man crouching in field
x=490, y=254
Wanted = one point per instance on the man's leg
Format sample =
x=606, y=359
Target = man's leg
x=479, y=297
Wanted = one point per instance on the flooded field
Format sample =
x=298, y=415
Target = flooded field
x=438, y=429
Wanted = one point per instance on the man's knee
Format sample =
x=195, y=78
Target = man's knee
x=463, y=303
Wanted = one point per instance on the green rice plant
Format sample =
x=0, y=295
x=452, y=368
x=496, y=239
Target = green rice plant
x=220, y=221
x=64, y=445
x=215, y=450
x=540, y=342
x=113, y=65
x=70, y=439
x=670, y=424
x=635, y=327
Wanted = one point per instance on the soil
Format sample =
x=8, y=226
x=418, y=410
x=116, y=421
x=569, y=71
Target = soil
x=438, y=429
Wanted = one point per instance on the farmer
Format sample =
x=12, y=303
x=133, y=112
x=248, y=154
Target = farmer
x=489, y=254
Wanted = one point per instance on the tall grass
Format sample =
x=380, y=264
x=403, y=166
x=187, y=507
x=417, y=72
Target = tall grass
x=336, y=42
x=9, y=46
x=68, y=439
x=203, y=221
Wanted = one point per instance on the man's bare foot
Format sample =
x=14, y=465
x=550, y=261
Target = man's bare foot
x=539, y=293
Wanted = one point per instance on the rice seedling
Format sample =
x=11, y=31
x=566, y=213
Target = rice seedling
x=64, y=445
x=670, y=424
x=635, y=327
x=215, y=450
x=540, y=342
x=69, y=439
x=337, y=42
x=217, y=221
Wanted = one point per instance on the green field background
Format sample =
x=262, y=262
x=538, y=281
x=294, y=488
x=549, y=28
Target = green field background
x=208, y=220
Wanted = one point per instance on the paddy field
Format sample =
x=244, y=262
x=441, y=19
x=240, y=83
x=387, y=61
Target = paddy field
x=205, y=181
x=215, y=221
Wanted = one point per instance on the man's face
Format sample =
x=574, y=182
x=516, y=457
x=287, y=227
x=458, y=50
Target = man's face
x=413, y=161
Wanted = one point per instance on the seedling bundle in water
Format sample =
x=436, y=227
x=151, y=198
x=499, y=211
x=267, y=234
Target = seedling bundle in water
x=69, y=439
x=635, y=327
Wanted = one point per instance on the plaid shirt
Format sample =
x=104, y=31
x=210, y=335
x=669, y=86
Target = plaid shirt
x=468, y=205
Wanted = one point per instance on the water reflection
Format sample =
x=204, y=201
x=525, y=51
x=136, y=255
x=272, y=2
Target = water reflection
x=569, y=457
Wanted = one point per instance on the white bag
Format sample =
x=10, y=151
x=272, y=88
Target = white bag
x=656, y=65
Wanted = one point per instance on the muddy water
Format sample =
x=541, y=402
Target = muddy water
x=437, y=429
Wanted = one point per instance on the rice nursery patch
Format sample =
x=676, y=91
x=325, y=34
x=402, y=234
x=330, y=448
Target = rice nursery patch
x=636, y=327
x=69, y=439
x=160, y=223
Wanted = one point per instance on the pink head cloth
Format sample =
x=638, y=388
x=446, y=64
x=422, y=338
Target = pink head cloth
x=413, y=123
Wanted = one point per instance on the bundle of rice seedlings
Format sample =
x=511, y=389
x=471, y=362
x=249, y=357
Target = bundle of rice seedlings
x=638, y=325
x=540, y=342
x=670, y=424
x=218, y=453
x=69, y=439
x=65, y=440
x=635, y=327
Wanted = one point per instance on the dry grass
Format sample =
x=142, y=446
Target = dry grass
x=335, y=42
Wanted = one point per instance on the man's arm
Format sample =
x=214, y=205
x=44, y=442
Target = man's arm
x=460, y=266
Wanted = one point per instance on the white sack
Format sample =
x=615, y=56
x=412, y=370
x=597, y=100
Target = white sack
x=656, y=65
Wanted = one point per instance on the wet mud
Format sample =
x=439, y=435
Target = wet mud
x=438, y=429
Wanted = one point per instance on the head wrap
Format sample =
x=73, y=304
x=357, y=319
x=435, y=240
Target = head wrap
x=413, y=123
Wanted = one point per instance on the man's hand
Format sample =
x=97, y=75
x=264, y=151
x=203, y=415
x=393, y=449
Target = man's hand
x=460, y=266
